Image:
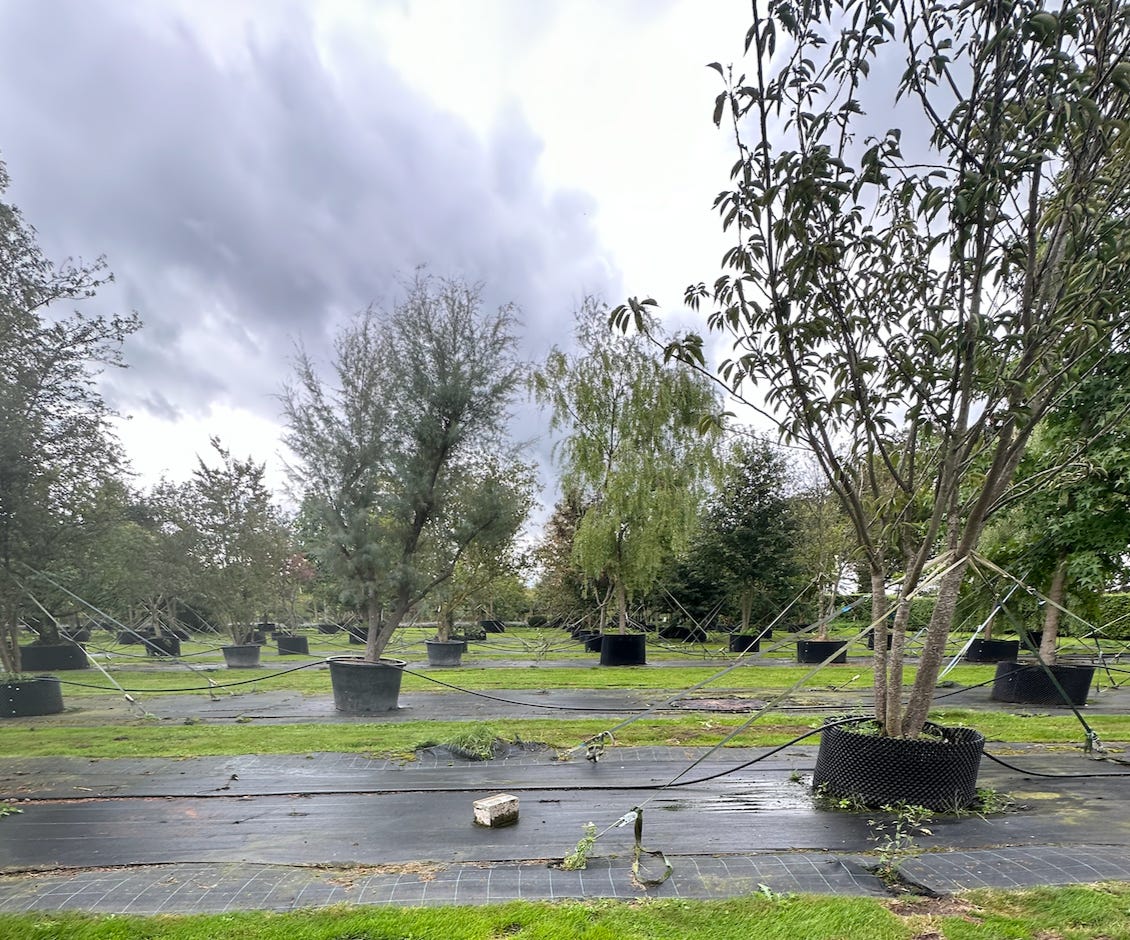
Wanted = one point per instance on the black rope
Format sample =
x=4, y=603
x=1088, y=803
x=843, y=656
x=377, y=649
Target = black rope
x=1036, y=773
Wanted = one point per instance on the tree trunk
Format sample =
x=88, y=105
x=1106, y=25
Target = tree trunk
x=930, y=665
x=622, y=606
x=1056, y=593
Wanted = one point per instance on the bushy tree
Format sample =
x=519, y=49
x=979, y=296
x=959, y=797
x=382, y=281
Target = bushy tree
x=383, y=446
x=746, y=541
x=237, y=542
x=56, y=445
x=910, y=306
x=633, y=451
x=1067, y=528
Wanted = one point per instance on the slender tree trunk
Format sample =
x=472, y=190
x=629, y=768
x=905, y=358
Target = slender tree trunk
x=881, y=631
x=1056, y=593
x=930, y=664
x=622, y=606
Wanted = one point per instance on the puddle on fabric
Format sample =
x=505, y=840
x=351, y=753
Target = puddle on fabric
x=774, y=799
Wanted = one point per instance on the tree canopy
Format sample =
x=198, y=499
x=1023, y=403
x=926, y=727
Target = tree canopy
x=909, y=303
x=56, y=446
x=633, y=452
x=387, y=448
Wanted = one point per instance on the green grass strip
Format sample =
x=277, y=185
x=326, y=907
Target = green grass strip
x=1073, y=913
x=316, y=680
x=140, y=738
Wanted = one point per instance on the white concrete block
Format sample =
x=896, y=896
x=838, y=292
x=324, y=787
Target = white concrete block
x=495, y=811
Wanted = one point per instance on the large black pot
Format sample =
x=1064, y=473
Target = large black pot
x=992, y=651
x=328, y=628
x=30, y=696
x=744, y=643
x=445, y=652
x=816, y=651
x=1030, y=684
x=593, y=641
x=623, y=649
x=162, y=646
x=37, y=657
x=493, y=626
x=937, y=770
x=293, y=645
x=1030, y=639
x=683, y=634
x=362, y=688
x=242, y=656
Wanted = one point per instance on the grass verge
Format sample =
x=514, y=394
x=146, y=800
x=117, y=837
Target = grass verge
x=141, y=738
x=1074, y=913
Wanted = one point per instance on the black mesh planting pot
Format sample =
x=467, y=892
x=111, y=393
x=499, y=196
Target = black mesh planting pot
x=871, y=640
x=816, y=651
x=1030, y=684
x=30, y=696
x=992, y=651
x=623, y=649
x=744, y=643
x=937, y=770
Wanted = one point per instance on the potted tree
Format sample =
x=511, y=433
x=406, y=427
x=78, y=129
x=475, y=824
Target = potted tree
x=634, y=454
x=823, y=545
x=1070, y=536
x=239, y=545
x=56, y=444
x=418, y=398
x=488, y=560
x=912, y=308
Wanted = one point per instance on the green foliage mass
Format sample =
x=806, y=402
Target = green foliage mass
x=633, y=452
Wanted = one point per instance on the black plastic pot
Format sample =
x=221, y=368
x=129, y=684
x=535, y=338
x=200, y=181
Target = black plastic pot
x=1030, y=684
x=358, y=636
x=623, y=649
x=871, y=640
x=594, y=642
x=242, y=656
x=992, y=651
x=31, y=696
x=328, y=628
x=744, y=643
x=36, y=657
x=683, y=634
x=362, y=688
x=126, y=637
x=493, y=626
x=162, y=645
x=1030, y=639
x=293, y=645
x=445, y=652
x=816, y=651
x=935, y=770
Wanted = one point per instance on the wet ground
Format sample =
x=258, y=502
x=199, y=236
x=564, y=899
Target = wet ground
x=279, y=832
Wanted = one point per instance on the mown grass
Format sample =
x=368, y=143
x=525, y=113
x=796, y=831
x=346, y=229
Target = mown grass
x=315, y=680
x=152, y=738
x=1073, y=913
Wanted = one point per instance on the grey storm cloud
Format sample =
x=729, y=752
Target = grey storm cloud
x=248, y=201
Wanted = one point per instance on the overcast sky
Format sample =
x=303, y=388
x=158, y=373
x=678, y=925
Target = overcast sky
x=256, y=171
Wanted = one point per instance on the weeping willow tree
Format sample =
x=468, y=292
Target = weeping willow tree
x=633, y=452
x=909, y=306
